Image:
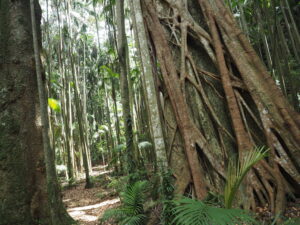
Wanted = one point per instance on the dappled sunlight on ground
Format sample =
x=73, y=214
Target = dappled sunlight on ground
x=108, y=202
x=83, y=213
x=87, y=205
x=81, y=216
x=97, y=173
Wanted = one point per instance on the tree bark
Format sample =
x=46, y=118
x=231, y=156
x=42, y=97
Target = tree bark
x=191, y=40
x=151, y=90
x=25, y=193
x=172, y=82
x=125, y=99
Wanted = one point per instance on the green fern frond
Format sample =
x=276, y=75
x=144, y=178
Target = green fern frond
x=238, y=170
x=193, y=212
x=222, y=216
x=190, y=211
x=134, y=195
x=134, y=220
x=131, y=212
x=117, y=214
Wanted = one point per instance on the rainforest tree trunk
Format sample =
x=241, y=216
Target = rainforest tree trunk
x=125, y=99
x=151, y=89
x=25, y=194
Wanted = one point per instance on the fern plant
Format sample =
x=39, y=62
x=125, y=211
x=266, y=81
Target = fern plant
x=237, y=171
x=193, y=212
x=131, y=212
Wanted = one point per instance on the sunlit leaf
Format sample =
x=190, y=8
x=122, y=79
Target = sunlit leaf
x=109, y=71
x=103, y=127
x=54, y=104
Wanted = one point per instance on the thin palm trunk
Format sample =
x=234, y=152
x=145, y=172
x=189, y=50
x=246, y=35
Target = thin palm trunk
x=125, y=98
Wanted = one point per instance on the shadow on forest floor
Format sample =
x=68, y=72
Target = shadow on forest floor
x=87, y=205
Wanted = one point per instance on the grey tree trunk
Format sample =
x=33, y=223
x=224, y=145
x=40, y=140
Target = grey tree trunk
x=149, y=81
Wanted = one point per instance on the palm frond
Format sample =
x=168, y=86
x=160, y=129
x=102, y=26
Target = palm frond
x=117, y=214
x=134, y=195
x=238, y=170
x=134, y=220
x=131, y=212
x=222, y=216
x=192, y=212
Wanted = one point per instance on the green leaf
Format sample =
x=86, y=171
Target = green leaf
x=120, y=148
x=54, y=104
x=193, y=212
x=131, y=212
x=109, y=71
x=238, y=170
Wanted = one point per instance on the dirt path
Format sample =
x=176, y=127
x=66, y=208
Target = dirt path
x=87, y=205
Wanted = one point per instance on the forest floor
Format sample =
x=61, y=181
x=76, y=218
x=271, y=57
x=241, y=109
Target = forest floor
x=87, y=205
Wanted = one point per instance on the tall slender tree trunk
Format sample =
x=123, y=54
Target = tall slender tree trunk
x=125, y=99
x=80, y=120
x=151, y=90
